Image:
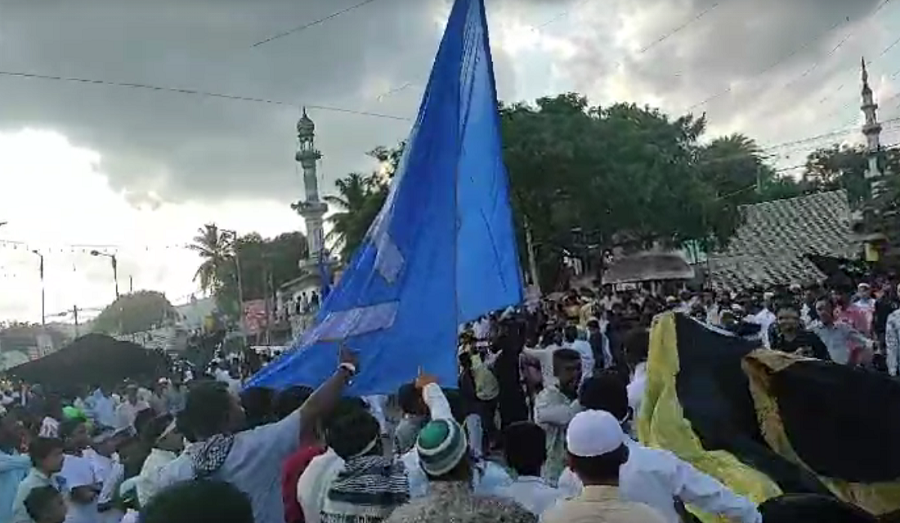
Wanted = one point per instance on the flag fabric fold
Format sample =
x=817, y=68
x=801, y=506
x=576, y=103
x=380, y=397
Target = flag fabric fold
x=766, y=423
x=442, y=250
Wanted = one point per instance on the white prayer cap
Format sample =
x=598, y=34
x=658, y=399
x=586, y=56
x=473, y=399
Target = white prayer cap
x=863, y=286
x=594, y=433
x=768, y=295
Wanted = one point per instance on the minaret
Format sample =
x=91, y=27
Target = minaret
x=311, y=208
x=872, y=131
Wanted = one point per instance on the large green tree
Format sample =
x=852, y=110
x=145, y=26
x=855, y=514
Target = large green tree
x=135, y=312
x=590, y=178
x=587, y=178
x=844, y=167
x=735, y=167
x=265, y=264
x=356, y=199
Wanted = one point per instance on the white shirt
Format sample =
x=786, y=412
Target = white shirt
x=482, y=329
x=314, y=482
x=78, y=472
x=102, y=409
x=126, y=412
x=655, y=477
x=764, y=318
x=49, y=428
x=545, y=358
x=587, y=357
x=892, y=342
x=234, y=386
x=531, y=492
x=148, y=482
x=636, y=388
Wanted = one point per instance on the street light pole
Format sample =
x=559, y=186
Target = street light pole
x=43, y=294
x=115, y=267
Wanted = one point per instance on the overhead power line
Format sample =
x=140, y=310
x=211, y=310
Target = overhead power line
x=665, y=36
x=793, y=53
x=307, y=25
x=194, y=92
x=560, y=15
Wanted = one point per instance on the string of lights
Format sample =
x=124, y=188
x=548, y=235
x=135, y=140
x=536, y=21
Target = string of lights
x=43, y=248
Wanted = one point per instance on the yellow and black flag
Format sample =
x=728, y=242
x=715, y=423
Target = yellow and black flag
x=767, y=423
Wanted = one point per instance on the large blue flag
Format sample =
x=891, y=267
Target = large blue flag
x=441, y=252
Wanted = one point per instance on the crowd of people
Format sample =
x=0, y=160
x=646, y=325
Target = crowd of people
x=538, y=427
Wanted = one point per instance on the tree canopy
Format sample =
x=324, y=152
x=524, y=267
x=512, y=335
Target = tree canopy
x=357, y=202
x=265, y=264
x=843, y=166
x=587, y=178
x=214, y=246
x=135, y=312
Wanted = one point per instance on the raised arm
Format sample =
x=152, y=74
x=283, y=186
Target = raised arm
x=433, y=396
x=546, y=411
x=324, y=398
x=892, y=343
x=708, y=494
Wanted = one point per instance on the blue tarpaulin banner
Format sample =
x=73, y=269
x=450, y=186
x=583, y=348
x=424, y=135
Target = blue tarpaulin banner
x=441, y=252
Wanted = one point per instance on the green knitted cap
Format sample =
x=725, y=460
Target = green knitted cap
x=441, y=446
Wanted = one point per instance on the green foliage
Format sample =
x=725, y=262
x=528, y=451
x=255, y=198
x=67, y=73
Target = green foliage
x=589, y=178
x=266, y=264
x=358, y=200
x=213, y=245
x=844, y=167
x=136, y=312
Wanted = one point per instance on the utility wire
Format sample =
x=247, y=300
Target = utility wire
x=560, y=16
x=193, y=92
x=316, y=22
x=679, y=28
x=775, y=64
x=566, y=13
x=869, y=62
x=791, y=54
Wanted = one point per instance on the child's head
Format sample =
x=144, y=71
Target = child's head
x=198, y=500
x=45, y=505
x=46, y=455
x=75, y=434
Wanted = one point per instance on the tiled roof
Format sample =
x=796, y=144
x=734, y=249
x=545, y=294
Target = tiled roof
x=648, y=266
x=769, y=246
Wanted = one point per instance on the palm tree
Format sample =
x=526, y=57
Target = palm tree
x=214, y=246
x=359, y=198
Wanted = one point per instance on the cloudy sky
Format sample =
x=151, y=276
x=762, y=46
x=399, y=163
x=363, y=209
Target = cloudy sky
x=136, y=172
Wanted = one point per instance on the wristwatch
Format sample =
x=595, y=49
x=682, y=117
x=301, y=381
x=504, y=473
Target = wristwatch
x=349, y=367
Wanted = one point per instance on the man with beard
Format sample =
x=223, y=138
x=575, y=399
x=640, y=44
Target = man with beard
x=555, y=406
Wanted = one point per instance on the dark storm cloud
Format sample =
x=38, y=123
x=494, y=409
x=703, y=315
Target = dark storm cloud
x=208, y=148
x=742, y=58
